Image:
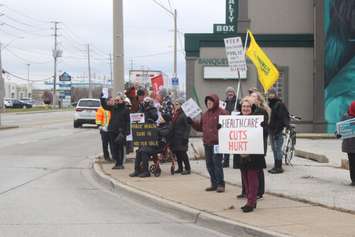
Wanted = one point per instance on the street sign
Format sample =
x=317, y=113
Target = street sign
x=175, y=81
x=65, y=77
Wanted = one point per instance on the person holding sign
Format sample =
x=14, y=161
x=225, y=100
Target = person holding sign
x=348, y=145
x=118, y=128
x=180, y=137
x=145, y=152
x=251, y=164
x=209, y=126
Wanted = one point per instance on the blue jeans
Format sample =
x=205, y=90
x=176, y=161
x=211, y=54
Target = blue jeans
x=214, y=166
x=276, y=141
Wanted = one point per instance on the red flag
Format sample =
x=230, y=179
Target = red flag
x=157, y=84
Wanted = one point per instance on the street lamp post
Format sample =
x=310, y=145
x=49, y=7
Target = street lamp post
x=174, y=15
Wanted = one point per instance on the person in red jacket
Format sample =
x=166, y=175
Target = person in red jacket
x=209, y=126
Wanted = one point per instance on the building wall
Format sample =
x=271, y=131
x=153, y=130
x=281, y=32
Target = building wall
x=280, y=16
x=299, y=62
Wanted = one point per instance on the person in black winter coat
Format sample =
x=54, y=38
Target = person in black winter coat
x=231, y=105
x=180, y=137
x=144, y=153
x=348, y=145
x=280, y=119
x=150, y=112
x=167, y=106
x=118, y=128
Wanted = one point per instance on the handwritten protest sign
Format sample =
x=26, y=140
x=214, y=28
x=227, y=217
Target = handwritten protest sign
x=241, y=135
x=135, y=118
x=145, y=134
x=235, y=54
x=105, y=93
x=191, y=108
x=346, y=128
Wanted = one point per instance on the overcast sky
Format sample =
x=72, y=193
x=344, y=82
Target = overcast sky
x=26, y=33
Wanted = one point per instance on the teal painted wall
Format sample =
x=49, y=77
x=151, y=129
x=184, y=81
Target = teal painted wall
x=339, y=26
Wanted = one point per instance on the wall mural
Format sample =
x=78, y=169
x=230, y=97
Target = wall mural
x=339, y=25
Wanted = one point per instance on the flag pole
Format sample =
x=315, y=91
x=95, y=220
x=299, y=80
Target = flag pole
x=238, y=89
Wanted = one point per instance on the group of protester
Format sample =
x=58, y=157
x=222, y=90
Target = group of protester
x=174, y=130
x=162, y=110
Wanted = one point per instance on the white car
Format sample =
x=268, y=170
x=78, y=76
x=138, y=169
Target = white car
x=8, y=103
x=85, y=112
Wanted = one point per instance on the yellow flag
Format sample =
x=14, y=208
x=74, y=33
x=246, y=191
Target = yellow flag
x=267, y=72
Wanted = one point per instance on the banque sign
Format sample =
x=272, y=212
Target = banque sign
x=231, y=19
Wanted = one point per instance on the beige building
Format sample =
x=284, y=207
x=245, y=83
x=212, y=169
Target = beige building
x=285, y=29
x=17, y=91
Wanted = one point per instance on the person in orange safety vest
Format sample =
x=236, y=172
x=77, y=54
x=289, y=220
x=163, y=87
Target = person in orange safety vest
x=102, y=120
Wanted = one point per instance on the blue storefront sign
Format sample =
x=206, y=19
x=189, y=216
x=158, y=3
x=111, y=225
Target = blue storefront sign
x=175, y=81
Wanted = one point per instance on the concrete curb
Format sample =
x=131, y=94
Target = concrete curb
x=316, y=135
x=8, y=127
x=181, y=211
x=311, y=156
x=37, y=112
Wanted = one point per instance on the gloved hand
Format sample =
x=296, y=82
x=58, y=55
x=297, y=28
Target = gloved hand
x=263, y=124
x=337, y=135
x=120, y=139
x=189, y=120
x=219, y=126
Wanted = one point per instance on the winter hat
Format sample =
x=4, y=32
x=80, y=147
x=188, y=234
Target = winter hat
x=352, y=109
x=140, y=92
x=272, y=91
x=163, y=92
x=230, y=89
x=180, y=100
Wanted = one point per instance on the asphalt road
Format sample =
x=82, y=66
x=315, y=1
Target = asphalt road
x=46, y=187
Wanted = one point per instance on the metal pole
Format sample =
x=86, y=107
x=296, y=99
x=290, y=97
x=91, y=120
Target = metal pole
x=2, y=87
x=89, y=73
x=245, y=47
x=110, y=57
x=175, y=43
x=55, y=56
x=28, y=80
x=118, y=53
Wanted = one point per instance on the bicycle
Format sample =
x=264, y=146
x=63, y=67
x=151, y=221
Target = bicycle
x=289, y=135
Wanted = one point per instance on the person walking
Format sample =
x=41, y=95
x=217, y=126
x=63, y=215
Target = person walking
x=279, y=119
x=102, y=120
x=251, y=164
x=180, y=137
x=118, y=128
x=231, y=105
x=209, y=126
x=348, y=144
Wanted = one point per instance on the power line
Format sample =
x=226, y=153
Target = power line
x=25, y=79
x=25, y=60
x=22, y=30
x=23, y=23
x=26, y=16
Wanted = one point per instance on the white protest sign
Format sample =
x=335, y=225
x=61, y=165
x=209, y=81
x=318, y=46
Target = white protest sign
x=105, y=93
x=135, y=118
x=191, y=108
x=222, y=104
x=346, y=128
x=235, y=54
x=241, y=135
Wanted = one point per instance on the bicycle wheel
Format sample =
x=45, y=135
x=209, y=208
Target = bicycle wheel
x=288, y=151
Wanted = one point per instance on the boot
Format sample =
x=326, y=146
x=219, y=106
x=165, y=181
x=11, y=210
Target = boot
x=278, y=167
x=273, y=170
x=134, y=174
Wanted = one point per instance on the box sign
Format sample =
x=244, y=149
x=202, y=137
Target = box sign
x=230, y=25
x=222, y=73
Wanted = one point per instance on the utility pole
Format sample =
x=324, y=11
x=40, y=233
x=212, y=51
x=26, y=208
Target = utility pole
x=110, y=58
x=56, y=54
x=174, y=15
x=29, y=87
x=2, y=87
x=175, y=43
x=118, y=52
x=89, y=72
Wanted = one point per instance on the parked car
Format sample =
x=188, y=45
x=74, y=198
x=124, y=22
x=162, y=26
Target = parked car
x=17, y=104
x=85, y=112
x=8, y=103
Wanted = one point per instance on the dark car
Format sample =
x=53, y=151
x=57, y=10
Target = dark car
x=20, y=104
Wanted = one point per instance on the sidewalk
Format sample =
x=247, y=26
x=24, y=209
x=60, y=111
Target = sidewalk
x=293, y=206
